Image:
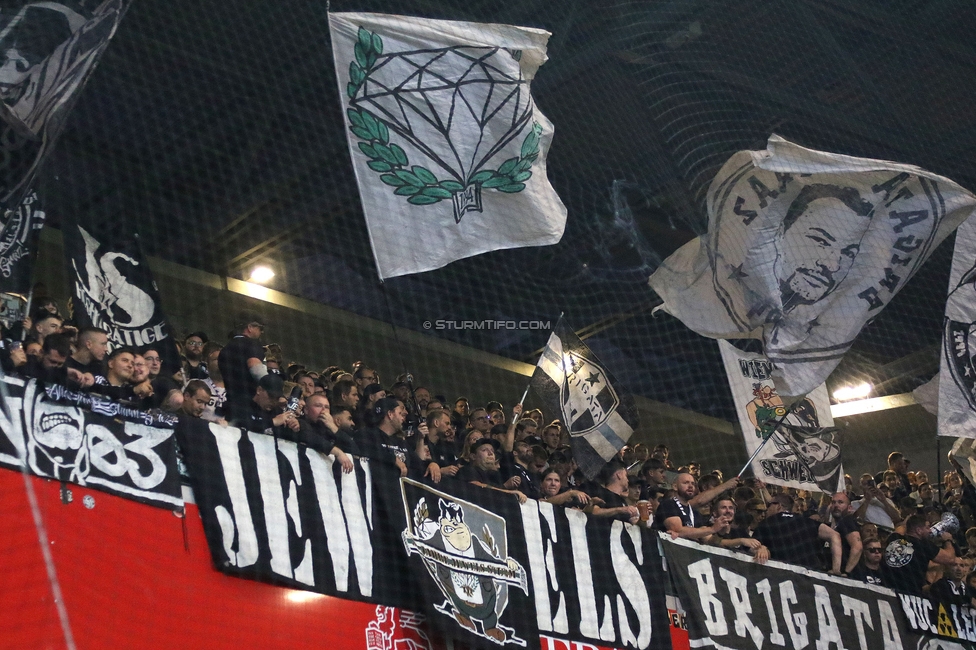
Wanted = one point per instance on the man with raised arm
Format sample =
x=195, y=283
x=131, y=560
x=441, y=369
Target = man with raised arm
x=677, y=515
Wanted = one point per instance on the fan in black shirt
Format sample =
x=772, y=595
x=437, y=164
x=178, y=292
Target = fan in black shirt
x=440, y=441
x=850, y=535
x=483, y=469
x=952, y=588
x=241, y=364
x=526, y=462
x=677, y=515
x=117, y=386
x=89, y=356
x=869, y=568
x=49, y=367
x=263, y=410
x=731, y=536
x=907, y=557
x=796, y=539
x=319, y=431
x=383, y=441
x=612, y=486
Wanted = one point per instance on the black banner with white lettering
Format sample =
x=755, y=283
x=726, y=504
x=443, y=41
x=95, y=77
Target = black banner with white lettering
x=279, y=512
x=488, y=570
x=494, y=572
x=730, y=601
x=112, y=288
x=122, y=456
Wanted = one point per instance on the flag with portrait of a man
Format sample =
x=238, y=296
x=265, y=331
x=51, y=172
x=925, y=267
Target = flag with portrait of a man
x=804, y=248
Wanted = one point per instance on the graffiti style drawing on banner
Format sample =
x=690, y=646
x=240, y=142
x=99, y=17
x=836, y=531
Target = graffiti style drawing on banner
x=68, y=443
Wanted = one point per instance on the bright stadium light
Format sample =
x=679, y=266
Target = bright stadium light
x=297, y=596
x=261, y=275
x=846, y=393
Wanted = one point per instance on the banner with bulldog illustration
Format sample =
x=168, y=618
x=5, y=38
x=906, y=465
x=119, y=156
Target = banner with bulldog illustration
x=487, y=570
x=118, y=452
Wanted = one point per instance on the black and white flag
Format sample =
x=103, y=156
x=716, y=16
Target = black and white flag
x=957, y=378
x=804, y=452
x=579, y=387
x=447, y=143
x=48, y=49
x=113, y=288
x=19, y=235
x=803, y=248
x=118, y=453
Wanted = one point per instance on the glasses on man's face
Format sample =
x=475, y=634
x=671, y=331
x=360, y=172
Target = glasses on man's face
x=152, y=359
x=194, y=344
x=873, y=549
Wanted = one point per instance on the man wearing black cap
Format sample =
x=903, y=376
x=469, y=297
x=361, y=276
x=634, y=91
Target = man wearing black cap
x=264, y=409
x=195, y=366
x=241, y=364
x=483, y=469
x=382, y=441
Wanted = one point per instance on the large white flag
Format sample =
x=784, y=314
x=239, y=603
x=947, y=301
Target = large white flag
x=803, y=248
x=804, y=452
x=448, y=146
x=957, y=377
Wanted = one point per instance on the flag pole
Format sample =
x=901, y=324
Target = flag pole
x=763, y=443
x=529, y=385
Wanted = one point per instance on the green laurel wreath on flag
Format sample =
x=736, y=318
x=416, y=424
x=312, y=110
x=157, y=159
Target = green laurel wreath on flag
x=417, y=183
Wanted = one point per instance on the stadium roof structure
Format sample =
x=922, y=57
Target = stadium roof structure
x=215, y=129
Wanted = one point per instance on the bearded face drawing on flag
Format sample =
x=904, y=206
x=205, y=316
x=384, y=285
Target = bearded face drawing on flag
x=819, y=240
x=803, y=249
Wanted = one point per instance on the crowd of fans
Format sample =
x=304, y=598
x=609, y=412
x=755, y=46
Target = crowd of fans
x=878, y=530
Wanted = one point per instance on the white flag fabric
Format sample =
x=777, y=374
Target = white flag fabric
x=957, y=376
x=448, y=146
x=964, y=452
x=803, y=248
x=801, y=454
x=927, y=395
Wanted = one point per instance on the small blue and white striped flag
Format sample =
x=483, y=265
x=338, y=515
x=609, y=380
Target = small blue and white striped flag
x=599, y=419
